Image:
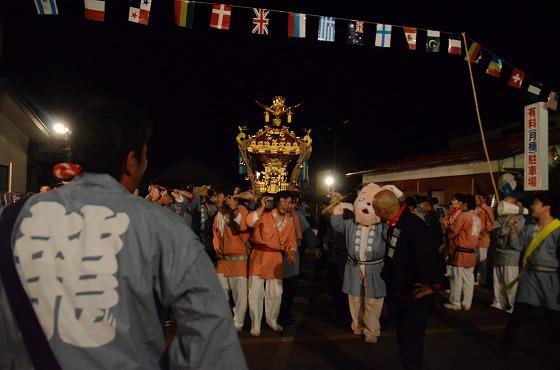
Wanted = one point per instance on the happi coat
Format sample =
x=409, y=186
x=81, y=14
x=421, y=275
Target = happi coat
x=94, y=259
x=231, y=244
x=275, y=235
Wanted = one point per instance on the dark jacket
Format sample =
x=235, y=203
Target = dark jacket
x=411, y=257
x=432, y=220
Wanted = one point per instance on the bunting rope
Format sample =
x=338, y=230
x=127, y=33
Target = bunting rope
x=443, y=33
x=139, y=12
x=313, y=15
x=510, y=65
x=483, y=138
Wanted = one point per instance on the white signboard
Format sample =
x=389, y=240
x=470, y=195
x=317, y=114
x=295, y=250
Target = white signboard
x=536, y=147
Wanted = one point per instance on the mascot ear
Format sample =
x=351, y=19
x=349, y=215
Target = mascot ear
x=394, y=189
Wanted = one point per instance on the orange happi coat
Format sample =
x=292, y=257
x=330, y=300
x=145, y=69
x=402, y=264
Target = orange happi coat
x=486, y=214
x=464, y=233
x=233, y=243
x=274, y=232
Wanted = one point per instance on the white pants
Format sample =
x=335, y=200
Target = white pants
x=271, y=292
x=237, y=285
x=365, y=314
x=482, y=265
x=461, y=284
x=502, y=276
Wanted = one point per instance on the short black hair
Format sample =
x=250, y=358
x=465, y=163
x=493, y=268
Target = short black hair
x=410, y=201
x=422, y=199
x=470, y=201
x=460, y=197
x=435, y=200
x=105, y=132
x=549, y=198
x=297, y=197
x=218, y=190
x=284, y=194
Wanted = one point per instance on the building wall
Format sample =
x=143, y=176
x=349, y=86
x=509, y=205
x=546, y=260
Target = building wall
x=13, y=148
x=459, y=169
x=466, y=178
x=449, y=185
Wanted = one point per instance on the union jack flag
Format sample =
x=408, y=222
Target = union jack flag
x=261, y=21
x=360, y=26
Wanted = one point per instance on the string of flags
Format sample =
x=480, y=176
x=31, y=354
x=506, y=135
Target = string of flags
x=518, y=79
x=220, y=19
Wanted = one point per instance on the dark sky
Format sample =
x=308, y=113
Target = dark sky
x=198, y=85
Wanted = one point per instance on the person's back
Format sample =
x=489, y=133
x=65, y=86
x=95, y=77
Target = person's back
x=95, y=262
x=93, y=255
x=504, y=254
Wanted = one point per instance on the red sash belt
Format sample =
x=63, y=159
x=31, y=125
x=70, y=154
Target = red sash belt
x=264, y=248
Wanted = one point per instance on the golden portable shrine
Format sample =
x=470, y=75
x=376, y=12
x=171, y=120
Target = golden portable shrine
x=274, y=158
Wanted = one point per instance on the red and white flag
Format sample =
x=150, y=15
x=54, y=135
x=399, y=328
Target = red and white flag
x=516, y=79
x=261, y=21
x=139, y=11
x=454, y=46
x=95, y=9
x=410, y=34
x=221, y=14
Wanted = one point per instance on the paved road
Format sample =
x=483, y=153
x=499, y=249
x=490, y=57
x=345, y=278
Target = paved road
x=455, y=340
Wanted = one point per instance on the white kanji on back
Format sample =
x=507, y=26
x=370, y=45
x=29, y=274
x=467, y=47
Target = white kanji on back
x=476, y=226
x=67, y=263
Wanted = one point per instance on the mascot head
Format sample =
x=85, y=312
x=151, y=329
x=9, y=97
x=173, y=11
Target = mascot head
x=363, y=206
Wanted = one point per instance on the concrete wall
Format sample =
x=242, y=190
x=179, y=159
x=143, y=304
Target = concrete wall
x=13, y=148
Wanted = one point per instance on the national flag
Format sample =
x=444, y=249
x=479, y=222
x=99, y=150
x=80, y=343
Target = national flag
x=535, y=90
x=494, y=67
x=516, y=79
x=383, y=35
x=326, y=29
x=296, y=25
x=221, y=14
x=184, y=13
x=95, y=10
x=433, y=41
x=410, y=34
x=139, y=11
x=355, y=33
x=455, y=46
x=474, y=55
x=261, y=21
x=46, y=7
x=552, y=102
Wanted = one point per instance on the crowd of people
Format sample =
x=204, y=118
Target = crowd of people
x=255, y=244
x=91, y=270
x=497, y=245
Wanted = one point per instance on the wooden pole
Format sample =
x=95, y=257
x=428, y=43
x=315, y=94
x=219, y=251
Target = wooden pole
x=10, y=176
x=490, y=170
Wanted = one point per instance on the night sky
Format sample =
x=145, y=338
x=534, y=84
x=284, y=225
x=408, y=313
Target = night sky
x=199, y=84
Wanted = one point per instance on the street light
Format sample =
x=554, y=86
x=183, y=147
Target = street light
x=329, y=181
x=60, y=129
x=63, y=131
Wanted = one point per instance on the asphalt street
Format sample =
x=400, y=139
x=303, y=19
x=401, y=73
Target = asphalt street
x=321, y=339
